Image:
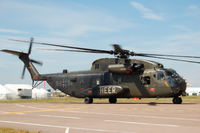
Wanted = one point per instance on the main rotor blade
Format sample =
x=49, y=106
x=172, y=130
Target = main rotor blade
x=64, y=46
x=71, y=50
x=172, y=59
x=118, y=51
x=145, y=54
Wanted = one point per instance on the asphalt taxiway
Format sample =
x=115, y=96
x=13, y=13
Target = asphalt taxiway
x=105, y=118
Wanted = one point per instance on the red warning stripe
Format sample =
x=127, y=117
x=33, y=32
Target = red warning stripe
x=35, y=77
x=90, y=91
x=152, y=89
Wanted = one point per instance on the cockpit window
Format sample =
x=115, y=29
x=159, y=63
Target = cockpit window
x=168, y=73
x=172, y=74
x=145, y=80
x=160, y=76
x=172, y=81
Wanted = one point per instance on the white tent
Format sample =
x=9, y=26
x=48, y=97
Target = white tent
x=6, y=93
x=15, y=87
x=193, y=91
x=40, y=93
x=22, y=90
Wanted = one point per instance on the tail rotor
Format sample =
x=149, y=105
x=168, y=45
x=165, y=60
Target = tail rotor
x=29, y=52
x=34, y=61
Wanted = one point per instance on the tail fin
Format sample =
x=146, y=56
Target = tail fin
x=27, y=62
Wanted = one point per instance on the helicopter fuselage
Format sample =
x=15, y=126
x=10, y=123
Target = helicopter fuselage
x=118, y=78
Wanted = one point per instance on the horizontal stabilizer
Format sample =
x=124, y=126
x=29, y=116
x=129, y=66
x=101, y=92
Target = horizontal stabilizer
x=14, y=52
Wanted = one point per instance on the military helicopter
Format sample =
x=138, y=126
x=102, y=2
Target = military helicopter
x=119, y=77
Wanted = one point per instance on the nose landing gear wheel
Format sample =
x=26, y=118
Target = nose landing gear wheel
x=177, y=100
x=88, y=100
x=112, y=100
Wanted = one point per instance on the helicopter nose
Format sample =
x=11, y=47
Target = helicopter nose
x=180, y=88
x=175, y=89
x=183, y=86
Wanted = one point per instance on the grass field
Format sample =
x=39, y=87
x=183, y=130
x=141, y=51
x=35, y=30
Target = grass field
x=193, y=99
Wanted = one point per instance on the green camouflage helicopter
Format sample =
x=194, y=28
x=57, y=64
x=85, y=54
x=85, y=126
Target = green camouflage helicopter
x=119, y=77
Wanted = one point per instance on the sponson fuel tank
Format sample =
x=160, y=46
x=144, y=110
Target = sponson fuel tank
x=105, y=91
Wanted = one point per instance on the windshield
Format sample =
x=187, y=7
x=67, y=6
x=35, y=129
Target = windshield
x=160, y=75
x=172, y=81
x=171, y=77
x=172, y=74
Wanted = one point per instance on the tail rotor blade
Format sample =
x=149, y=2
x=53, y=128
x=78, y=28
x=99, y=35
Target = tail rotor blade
x=30, y=47
x=23, y=72
x=37, y=62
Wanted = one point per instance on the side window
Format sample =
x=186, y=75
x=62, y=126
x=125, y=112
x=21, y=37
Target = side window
x=161, y=76
x=96, y=66
x=81, y=82
x=97, y=81
x=145, y=80
x=119, y=80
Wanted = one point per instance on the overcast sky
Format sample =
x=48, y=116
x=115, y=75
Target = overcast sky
x=165, y=27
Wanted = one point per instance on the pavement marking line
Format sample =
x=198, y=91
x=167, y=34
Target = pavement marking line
x=152, y=109
x=158, y=109
x=139, y=123
x=36, y=107
x=21, y=114
x=154, y=117
x=67, y=130
x=60, y=116
x=7, y=113
x=30, y=106
x=20, y=105
x=179, y=110
x=54, y=126
x=3, y=112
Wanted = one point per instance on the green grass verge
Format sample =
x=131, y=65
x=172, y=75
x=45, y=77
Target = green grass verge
x=193, y=99
x=10, y=130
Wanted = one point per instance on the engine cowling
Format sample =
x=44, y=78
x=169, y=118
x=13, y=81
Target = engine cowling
x=125, y=68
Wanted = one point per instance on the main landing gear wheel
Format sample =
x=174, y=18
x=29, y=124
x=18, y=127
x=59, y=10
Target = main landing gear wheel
x=88, y=100
x=177, y=100
x=112, y=100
